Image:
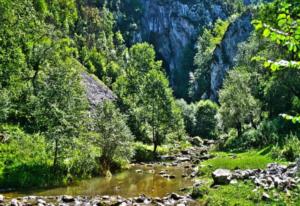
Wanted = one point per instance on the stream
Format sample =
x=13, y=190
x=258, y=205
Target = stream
x=164, y=183
x=139, y=179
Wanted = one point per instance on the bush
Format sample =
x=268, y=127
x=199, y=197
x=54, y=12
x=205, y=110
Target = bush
x=199, y=192
x=23, y=160
x=291, y=150
x=199, y=118
x=142, y=153
x=206, y=123
x=265, y=134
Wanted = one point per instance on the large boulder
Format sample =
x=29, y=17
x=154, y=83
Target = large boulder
x=196, y=141
x=68, y=198
x=222, y=176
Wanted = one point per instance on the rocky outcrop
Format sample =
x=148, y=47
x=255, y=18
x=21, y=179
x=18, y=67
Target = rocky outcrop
x=223, y=59
x=171, y=25
x=96, y=91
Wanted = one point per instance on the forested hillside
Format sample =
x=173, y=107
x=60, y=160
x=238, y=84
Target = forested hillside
x=87, y=87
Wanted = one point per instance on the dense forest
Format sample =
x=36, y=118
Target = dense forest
x=54, y=130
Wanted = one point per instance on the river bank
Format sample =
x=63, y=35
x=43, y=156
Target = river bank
x=168, y=181
x=193, y=176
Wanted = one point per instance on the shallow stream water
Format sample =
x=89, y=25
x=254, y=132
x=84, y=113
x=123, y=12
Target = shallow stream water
x=128, y=183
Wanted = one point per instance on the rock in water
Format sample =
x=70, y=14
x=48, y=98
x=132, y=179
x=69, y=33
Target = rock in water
x=1, y=198
x=68, y=198
x=221, y=176
x=14, y=202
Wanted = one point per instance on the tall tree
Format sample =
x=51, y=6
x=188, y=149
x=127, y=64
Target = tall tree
x=113, y=137
x=279, y=22
x=60, y=106
x=146, y=97
x=238, y=106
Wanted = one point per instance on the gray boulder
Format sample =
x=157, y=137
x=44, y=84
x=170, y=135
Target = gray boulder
x=222, y=176
x=196, y=141
x=68, y=198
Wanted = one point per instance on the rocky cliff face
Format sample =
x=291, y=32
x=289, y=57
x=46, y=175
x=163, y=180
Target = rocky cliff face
x=173, y=25
x=225, y=53
x=96, y=91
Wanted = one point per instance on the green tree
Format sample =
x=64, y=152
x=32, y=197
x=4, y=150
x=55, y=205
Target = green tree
x=60, y=106
x=159, y=107
x=279, y=22
x=205, y=47
x=146, y=97
x=113, y=137
x=188, y=113
x=238, y=106
x=205, y=121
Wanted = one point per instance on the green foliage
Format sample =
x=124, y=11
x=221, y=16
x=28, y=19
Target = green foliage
x=279, y=22
x=199, y=118
x=147, y=98
x=100, y=49
x=205, y=46
x=23, y=159
x=289, y=151
x=61, y=106
x=206, y=123
x=112, y=135
x=143, y=153
x=238, y=106
x=188, y=113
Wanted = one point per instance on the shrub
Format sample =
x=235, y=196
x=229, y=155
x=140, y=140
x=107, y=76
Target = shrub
x=199, y=192
x=24, y=160
x=206, y=123
x=265, y=134
x=188, y=113
x=199, y=118
x=142, y=153
x=291, y=150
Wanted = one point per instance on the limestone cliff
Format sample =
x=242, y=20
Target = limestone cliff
x=173, y=25
x=96, y=91
x=224, y=54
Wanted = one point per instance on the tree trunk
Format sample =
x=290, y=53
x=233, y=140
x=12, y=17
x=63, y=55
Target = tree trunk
x=239, y=129
x=155, y=148
x=55, y=154
x=154, y=139
x=105, y=165
x=36, y=69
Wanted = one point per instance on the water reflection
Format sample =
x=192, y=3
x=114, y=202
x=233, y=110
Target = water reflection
x=127, y=184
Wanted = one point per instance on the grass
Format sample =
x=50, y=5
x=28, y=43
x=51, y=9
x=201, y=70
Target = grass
x=144, y=152
x=232, y=161
x=242, y=193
